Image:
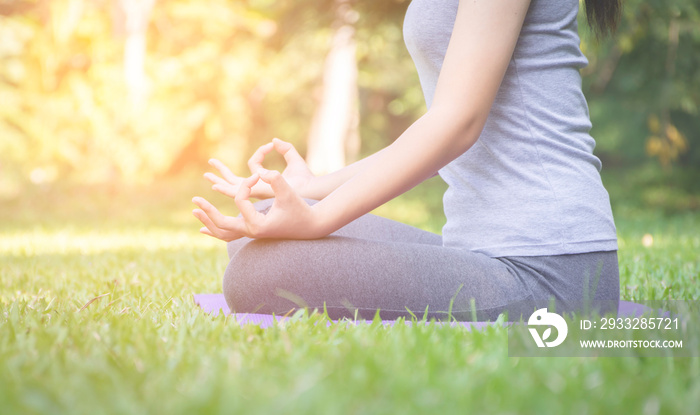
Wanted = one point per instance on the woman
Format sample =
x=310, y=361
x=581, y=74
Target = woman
x=528, y=219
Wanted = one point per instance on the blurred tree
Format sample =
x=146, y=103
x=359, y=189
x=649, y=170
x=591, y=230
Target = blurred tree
x=70, y=85
x=224, y=77
x=643, y=85
x=132, y=18
x=74, y=76
x=335, y=121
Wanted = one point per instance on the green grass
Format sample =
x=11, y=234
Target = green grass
x=144, y=347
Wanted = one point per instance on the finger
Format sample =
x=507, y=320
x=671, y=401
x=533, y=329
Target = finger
x=214, y=179
x=256, y=160
x=206, y=231
x=287, y=150
x=226, y=173
x=212, y=213
x=226, y=189
x=235, y=228
x=280, y=187
x=211, y=229
x=225, y=236
x=242, y=199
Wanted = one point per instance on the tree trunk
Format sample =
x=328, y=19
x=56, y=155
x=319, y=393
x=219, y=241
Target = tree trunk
x=135, y=16
x=334, y=126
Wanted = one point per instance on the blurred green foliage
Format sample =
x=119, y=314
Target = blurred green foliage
x=223, y=77
x=643, y=86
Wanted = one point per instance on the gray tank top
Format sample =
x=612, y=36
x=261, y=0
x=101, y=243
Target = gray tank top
x=530, y=185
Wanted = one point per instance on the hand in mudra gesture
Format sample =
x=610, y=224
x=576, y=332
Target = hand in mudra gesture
x=296, y=174
x=289, y=217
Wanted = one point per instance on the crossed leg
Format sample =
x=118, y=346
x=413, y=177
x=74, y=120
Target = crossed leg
x=371, y=264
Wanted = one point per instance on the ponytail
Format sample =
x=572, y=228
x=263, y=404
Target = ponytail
x=603, y=15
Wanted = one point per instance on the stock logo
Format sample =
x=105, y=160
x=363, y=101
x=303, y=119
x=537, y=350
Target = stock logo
x=542, y=318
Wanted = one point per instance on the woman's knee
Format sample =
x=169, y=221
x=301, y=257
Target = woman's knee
x=257, y=276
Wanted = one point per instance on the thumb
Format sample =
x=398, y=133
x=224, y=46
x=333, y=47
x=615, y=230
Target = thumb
x=287, y=150
x=279, y=186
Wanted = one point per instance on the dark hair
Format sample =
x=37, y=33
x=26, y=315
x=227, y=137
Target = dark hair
x=603, y=15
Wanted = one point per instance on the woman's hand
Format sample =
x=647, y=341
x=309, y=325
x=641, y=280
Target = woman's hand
x=296, y=174
x=290, y=217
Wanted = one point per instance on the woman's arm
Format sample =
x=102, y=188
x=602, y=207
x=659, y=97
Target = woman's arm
x=297, y=174
x=480, y=49
x=322, y=186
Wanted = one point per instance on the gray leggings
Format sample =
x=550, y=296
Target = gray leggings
x=375, y=264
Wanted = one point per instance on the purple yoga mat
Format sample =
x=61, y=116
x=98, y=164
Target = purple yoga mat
x=215, y=303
